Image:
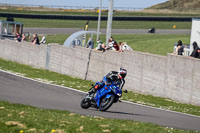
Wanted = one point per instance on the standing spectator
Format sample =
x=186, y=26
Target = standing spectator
x=35, y=39
x=179, y=48
x=23, y=38
x=196, y=50
x=43, y=39
x=90, y=43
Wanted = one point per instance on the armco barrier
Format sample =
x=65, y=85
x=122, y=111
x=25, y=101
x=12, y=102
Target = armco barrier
x=173, y=76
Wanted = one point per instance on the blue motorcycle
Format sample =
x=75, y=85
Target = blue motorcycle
x=104, y=97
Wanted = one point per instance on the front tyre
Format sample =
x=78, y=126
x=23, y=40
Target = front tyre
x=85, y=103
x=106, y=103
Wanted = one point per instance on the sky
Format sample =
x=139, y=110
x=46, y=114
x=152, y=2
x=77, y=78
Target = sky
x=88, y=3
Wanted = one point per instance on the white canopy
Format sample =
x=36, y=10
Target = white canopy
x=77, y=35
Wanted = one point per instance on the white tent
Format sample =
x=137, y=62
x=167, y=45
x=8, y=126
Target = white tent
x=77, y=36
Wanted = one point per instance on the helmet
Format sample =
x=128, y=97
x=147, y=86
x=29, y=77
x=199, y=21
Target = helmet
x=123, y=72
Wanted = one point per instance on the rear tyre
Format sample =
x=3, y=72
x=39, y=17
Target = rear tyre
x=106, y=103
x=85, y=103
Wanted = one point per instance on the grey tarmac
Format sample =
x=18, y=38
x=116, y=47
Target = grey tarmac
x=16, y=89
x=103, y=31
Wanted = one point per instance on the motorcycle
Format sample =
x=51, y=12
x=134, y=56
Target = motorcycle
x=104, y=97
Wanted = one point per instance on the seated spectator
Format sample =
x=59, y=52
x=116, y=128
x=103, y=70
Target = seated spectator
x=18, y=37
x=35, y=40
x=179, y=48
x=23, y=38
x=100, y=46
x=90, y=43
x=43, y=39
x=112, y=44
x=125, y=46
x=196, y=50
x=121, y=47
x=115, y=46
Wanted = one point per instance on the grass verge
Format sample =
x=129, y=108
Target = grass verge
x=17, y=118
x=84, y=85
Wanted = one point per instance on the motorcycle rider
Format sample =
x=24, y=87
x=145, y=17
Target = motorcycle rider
x=113, y=76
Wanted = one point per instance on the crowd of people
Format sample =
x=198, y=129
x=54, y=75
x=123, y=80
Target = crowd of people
x=112, y=45
x=180, y=49
x=34, y=39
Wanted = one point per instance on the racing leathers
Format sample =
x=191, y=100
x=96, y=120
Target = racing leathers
x=112, y=76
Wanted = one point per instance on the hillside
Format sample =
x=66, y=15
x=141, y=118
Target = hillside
x=178, y=5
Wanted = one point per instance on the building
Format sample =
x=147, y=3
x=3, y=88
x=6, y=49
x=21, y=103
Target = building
x=8, y=29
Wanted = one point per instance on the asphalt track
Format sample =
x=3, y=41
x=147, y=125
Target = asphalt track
x=103, y=31
x=26, y=91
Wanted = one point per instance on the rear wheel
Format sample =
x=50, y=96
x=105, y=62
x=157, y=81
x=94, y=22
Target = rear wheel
x=106, y=103
x=85, y=103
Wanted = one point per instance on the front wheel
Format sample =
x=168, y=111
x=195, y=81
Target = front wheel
x=106, y=103
x=85, y=103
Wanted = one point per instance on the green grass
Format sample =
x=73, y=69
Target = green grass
x=16, y=118
x=52, y=23
x=151, y=43
x=84, y=85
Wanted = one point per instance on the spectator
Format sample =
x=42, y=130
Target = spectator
x=110, y=44
x=196, y=50
x=18, y=37
x=125, y=46
x=43, y=41
x=90, y=43
x=35, y=39
x=121, y=47
x=115, y=46
x=23, y=38
x=179, y=48
x=29, y=37
x=100, y=46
